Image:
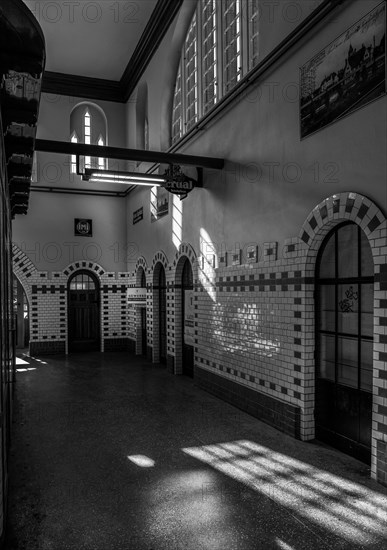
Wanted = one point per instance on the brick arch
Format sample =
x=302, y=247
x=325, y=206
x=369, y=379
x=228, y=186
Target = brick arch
x=159, y=257
x=324, y=217
x=185, y=251
x=141, y=263
x=337, y=208
x=24, y=269
x=83, y=264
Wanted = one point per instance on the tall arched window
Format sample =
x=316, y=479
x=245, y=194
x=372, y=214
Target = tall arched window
x=88, y=125
x=221, y=46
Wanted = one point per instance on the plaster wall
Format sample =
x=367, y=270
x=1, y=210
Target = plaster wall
x=272, y=179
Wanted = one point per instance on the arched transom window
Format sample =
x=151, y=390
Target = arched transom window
x=88, y=125
x=221, y=46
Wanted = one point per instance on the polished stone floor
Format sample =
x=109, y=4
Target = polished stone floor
x=110, y=452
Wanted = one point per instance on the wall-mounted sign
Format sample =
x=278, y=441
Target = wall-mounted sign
x=345, y=75
x=136, y=296
x=138, y=215
x=83, y=227
x=189, y=318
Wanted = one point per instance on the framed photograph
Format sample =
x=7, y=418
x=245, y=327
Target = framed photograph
x=83, y=227
x=159, y=203
x=347, y=74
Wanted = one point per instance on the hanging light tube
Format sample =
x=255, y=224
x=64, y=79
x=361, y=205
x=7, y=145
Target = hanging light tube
x=128, y=178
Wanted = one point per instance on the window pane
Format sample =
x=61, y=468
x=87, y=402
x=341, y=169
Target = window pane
x=327, y=307
x=177, y=121
x=348, y=309
x=366, y=365
x=327, y=357
x=367, y=262
x=327, y=261
x=347, y=250
x=367, y=310
x=347, y=362
x=191, y=74
x=253, y=33
x=232, y=43
x=209, y=54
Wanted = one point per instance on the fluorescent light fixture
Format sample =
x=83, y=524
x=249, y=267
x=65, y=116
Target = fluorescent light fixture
x=127, y=178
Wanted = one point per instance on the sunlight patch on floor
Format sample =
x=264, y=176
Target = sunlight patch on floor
x=346, y=508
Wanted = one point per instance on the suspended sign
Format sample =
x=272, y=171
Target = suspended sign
x=177, y=182
x=136, y=296
x=189, y=318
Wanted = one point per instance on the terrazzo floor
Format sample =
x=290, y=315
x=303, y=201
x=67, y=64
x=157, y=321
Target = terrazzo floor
x=110, y=452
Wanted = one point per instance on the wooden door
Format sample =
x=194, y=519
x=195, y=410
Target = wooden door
x=83, y=313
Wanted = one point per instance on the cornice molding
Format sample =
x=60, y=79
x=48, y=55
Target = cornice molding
x=111, y=90
x=158, y=24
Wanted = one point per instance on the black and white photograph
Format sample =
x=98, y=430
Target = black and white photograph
x=193, y=275
x=347, y=74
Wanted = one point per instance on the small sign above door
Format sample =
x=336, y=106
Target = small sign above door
x=136, y=296
x=138, y=215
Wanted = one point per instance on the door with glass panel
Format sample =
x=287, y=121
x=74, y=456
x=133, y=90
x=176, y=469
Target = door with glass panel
x=344, y=341
x=83, y=313
x=162, y=316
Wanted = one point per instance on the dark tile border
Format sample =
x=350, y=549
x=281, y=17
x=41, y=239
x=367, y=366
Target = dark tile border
x=283, y=416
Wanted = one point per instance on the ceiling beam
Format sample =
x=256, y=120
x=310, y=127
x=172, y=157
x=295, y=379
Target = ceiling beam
x=82, y=86
x=118, y=153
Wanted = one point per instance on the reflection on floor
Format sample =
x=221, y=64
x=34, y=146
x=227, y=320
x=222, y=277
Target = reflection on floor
x=111, y=452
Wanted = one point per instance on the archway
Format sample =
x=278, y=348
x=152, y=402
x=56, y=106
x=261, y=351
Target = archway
x=187, y=321
x=344, y=340
x=22, y=313
x=83, y=312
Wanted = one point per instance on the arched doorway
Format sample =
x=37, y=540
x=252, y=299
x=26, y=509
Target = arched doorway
x=187, y=322
x=83, y=312
x=21, y=311
x=344, y=341
x=143, y=316
x=162, y=314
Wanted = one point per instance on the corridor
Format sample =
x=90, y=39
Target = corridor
x=111, y=452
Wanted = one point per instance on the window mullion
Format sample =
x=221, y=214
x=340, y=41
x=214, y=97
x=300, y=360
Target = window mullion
x=219, y=47
x=244, y=7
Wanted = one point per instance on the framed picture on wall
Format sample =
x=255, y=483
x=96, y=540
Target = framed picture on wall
x=346, y=75
x=83, y=227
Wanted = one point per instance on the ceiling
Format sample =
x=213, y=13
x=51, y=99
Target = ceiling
x=91, y=38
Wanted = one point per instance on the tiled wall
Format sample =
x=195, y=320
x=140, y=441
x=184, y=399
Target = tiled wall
x=254, y=321
x=47, y=297
x=254, y=318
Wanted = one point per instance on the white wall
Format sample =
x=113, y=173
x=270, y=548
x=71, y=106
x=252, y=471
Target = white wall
x=46, y=234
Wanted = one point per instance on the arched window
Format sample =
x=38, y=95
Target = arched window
x=88, y=125
x=221, y=46
x=87, y=134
